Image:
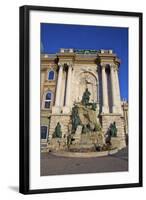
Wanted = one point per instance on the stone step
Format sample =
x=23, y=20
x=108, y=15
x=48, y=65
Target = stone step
x=43, y=145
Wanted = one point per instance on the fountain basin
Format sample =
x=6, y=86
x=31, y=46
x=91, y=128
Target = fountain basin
x=84, y=154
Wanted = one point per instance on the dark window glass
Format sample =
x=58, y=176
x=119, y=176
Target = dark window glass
x=47, y=104
x=48, y=96
x=43, y=132
x=51, y=75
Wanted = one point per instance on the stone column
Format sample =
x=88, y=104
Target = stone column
x=105, y=107
x=113, y=88
x=56, y=108
x=42, y=84
x=118, y=91
x=68, y=90
x=66, y=108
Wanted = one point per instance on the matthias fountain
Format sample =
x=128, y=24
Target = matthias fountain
x=85, y=134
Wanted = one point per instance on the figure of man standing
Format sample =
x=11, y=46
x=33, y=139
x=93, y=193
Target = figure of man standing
x=86, y=97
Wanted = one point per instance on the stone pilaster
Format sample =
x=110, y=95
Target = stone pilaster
x=118, y=91
x=42, y=84
x=105, y=107
x=113, y=88
x=68, y=91
x=56, y=108
x=66, y=108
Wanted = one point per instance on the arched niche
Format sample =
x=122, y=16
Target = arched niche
x=87, y=80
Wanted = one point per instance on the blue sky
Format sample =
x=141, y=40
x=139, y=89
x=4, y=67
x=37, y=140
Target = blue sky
x=56, y=36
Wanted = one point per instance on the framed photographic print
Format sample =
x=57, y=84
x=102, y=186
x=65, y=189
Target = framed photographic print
x=80, y=99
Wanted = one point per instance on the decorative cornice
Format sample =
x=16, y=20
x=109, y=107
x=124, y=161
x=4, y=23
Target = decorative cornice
x=81, y=56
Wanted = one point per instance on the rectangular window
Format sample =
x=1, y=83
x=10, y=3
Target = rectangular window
x=44, y=130
x=47, y=104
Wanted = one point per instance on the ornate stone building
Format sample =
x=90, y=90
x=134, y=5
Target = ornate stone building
x=125, y=115
x=64, y=78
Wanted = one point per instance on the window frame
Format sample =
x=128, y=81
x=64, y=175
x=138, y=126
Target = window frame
x=51, y=70
x=47, y=134
x=47, y=100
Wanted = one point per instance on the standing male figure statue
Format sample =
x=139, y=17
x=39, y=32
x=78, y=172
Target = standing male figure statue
x=86, y=97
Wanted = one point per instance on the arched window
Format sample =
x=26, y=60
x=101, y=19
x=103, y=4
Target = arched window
x=51, y=75
x=48, y=99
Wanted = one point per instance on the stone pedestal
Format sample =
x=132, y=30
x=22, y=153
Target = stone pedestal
x=66, y=110
x=56, y=109
x=114, y=109
x=105, y=109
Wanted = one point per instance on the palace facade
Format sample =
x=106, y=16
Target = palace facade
x=64, y=78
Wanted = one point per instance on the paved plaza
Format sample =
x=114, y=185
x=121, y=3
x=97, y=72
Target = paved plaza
x=55, y=165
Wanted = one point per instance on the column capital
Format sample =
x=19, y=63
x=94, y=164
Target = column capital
x=65, y=65
x=117, y=67
x=70, y=66
x=114, y=66
x=60, y=65
x=103, y=65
